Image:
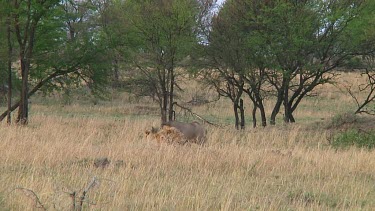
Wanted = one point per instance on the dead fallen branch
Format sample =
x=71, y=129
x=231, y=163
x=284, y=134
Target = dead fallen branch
x=33, y=196
x=195, y=114
x=82, y=198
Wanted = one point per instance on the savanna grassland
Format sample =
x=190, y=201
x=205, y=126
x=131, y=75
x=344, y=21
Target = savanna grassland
x=284, y=167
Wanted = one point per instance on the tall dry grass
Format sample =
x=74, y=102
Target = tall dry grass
x=287, y=167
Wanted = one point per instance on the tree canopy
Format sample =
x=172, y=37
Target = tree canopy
x=276, y=51
x=286, y=49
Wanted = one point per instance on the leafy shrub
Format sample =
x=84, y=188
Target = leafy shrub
x=354, y=138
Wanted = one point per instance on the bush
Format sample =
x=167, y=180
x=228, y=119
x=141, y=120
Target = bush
x=354, y=138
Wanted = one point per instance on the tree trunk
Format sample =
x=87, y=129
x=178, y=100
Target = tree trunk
x=116, y=74
x=164, y=109
x=259, y=103
x=171, y=93
x=277, y=106
x=235, y=109
x=286, y=104
x=26, y=51
x=262, y=114
x=23, y=109
x=291, y=117
x=254, y=114
x=242, y=112
x=163, y=113
x=164, y=92
x=256, y=98
x=10, y=50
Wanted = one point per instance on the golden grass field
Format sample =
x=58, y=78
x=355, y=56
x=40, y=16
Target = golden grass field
x=285, y=167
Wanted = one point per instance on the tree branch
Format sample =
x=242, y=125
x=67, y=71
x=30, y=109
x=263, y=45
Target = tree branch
x=32, y=195
x=197, y=115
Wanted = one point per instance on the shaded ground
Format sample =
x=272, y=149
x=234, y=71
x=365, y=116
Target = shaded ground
x=347, y=121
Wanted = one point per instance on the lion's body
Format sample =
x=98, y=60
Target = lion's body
x=169, y=135
x=177, y=132
x=194, y=132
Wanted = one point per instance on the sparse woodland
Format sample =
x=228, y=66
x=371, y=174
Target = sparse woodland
x=285, y=90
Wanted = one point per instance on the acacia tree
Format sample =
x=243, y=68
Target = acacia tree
x=50, y=59
x=26, y=17
x=9, y=67
x=225, y=66
x=364, y=104
x=362, y=39
x=110, y=17
x=163, y=32
x=234, y=53
x=6, y=55
x=294, y=46
x=3, y=49
x=309, y=39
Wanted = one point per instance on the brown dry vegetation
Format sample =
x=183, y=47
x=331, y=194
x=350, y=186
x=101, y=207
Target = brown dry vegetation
x=275, y=168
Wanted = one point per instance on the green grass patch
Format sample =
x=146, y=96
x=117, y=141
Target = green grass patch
x=354, y=138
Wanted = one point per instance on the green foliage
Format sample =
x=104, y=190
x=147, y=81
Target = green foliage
x=3, y=44
x=162, y=32
x=5, y=10
x=354, y=138
x=297, y=43
x=78, y=55
x=158, y=36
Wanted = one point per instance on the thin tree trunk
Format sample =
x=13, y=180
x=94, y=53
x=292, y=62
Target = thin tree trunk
x=286, y=104
x=259, y=103
x=164, y=103
x=23, y=107
x=261, y=109
x=286, y=113
x=235, y=110
x=277, y=106
x=10, y=50
x=164, y=107
x=242, y=112
x=255, y=106
x=291, y=117
x=162, y=120
x=163, y=114
x=254, y=114
x=116, y=75
x=26, y=52
x=171, y=92
x=262, y=115
x=24, y=104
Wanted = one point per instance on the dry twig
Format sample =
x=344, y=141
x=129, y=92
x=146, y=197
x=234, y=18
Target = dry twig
x=197, y=115
x=33, y=196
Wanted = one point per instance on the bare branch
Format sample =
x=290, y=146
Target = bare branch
x=33, y=196
x=82, y=198
x=197, y=115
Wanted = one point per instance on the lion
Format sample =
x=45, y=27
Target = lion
x=166, y=134
x=177, y=132
x=194, y=132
